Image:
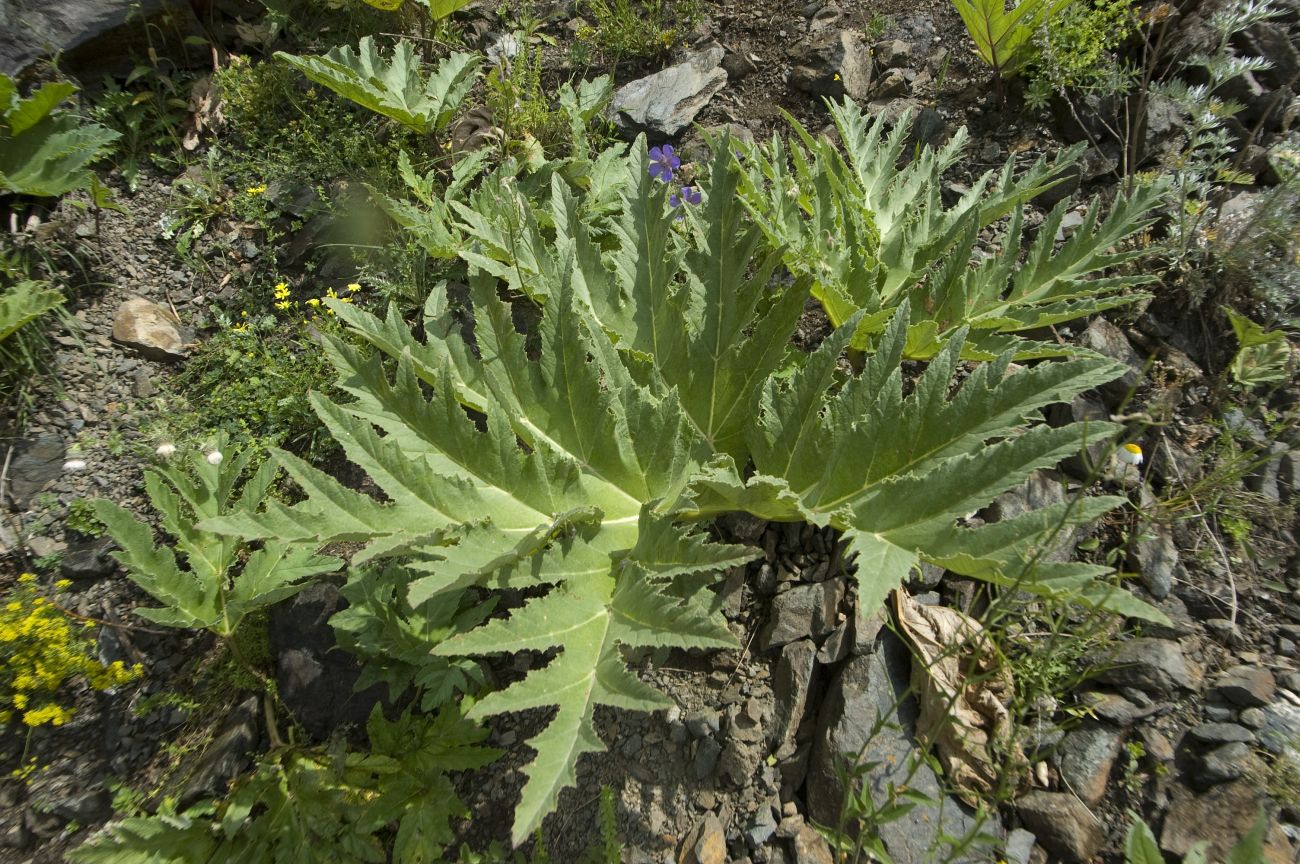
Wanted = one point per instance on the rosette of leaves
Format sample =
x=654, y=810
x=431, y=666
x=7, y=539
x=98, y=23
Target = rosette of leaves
x=870, y=235
x=45, y=151
x=397, y=87
x=576, y=460
x=393, y=804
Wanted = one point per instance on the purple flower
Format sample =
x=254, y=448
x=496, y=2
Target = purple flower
x=690, y=196
x=663, y=162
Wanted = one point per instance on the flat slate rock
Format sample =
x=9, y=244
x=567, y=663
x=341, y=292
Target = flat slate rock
x=663, y=104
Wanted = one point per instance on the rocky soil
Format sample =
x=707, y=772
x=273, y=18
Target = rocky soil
x=1190, y=725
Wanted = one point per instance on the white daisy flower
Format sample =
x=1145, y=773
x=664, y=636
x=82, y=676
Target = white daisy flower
x=1129, y=454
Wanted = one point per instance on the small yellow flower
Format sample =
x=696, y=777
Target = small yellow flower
x=313, y=302
x=354, y=287
x=837, y=76
x=240, y=328
x=256, y=190
x=284, y=304
x=281, y=291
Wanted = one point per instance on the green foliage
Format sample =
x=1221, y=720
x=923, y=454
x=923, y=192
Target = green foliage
x=249, y=383
x=658, y=366
x=24, y=302
x=392, y=637
x=81, y=518
x=44, y=151
x=1077, y=51
x=869, y=236
x=148, y=112
x=301, y=806
x=280, y=129
x=1202, y=158
x=1140, y=846
x=207, y=594
x=1263, y=356
x=630, y=28
x=395, y=88
x=1004, y=37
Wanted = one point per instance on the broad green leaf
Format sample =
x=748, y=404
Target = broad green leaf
x=396, y=87
x=1140, y=846
x=23, y=303
x=52, y=157
x=35, y=108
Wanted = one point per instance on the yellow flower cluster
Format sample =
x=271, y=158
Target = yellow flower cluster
x=256, y=190
x=316, y=303
x=42, y=650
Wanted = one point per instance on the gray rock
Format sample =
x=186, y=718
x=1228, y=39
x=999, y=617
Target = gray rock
x=1273, y=39
x=85, y=807
x=1020, y=846
x=1085, y=759
x=833, y=65
x=316, y=678
x=1082, y=409
x=1247, y=686
x=1109, y=341
x=1155, y=666
x=836, y=647
x=1042, y=489
x=707, y=752
x=88, y=559
x=1264, y=480
x=761, y=827
x=1221, y=815
x=866, y=627
x=1290, y=681
x=665, y=103
x=1253, y=718
x=1221, y=733
x=227, y=757
x=803, y=611
x=1116, y=709
x=1156, y=558
x=863, y=695
x=790, y=685
x=1163, y=123
x=810, y=847
x=704, y=722
x=1223, y=763
x=889, y=53
x=88, y=36
x=893, y=84
x=1063, y=825
x=35, y=464
x=151, y=330
x=1281, y=727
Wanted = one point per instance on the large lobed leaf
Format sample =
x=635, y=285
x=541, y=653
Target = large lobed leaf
x=396, y=88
